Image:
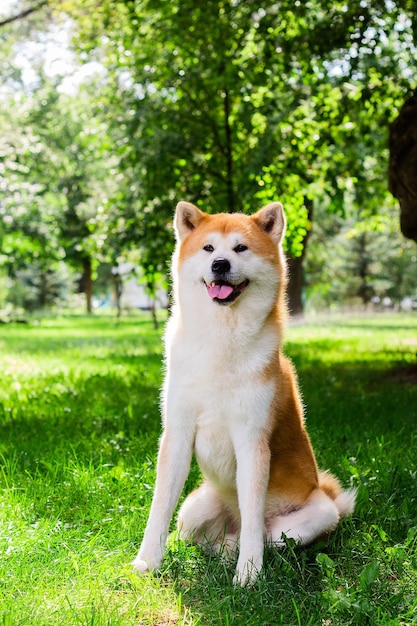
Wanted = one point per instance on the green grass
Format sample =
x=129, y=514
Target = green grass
x=79, y=426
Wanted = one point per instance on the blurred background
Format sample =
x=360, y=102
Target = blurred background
x=112, y=111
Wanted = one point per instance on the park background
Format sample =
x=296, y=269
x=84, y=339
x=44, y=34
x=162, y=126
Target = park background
x=113, y=111
x=110, y=113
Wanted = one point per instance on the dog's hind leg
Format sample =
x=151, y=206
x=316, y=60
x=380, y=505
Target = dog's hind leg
x=204, y=520
x=317, y=517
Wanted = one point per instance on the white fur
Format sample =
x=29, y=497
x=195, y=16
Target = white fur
x=320, y=515
x=345, y=502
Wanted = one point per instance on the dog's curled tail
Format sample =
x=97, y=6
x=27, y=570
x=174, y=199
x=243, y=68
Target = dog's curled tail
x=344, y=500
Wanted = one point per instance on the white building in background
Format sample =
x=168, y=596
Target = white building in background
x=134, y=294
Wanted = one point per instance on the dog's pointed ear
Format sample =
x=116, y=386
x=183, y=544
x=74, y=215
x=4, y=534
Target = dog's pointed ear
x=187, y=218
x=271, y=220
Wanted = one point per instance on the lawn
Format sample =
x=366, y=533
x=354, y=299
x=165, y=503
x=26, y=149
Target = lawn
x=79, y=426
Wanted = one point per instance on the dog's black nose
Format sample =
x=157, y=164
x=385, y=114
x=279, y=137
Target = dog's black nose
x=220, y=266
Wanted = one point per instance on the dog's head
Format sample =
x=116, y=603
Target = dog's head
x=228, y=255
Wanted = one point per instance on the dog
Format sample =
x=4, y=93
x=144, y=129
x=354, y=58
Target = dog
x=231, y=397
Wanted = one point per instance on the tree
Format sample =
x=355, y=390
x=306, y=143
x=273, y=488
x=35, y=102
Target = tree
x=359, y=259
x=55, y=166
x=80, y=176
x=54, y=178
x=29, y=236
x=228, y=103
x=403, y=165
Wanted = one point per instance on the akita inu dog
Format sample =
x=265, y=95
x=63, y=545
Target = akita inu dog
x=232, y=398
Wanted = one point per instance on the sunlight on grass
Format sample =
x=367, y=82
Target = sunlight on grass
x=79, y=426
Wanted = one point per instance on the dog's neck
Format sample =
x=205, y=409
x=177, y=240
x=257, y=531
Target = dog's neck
x=202, y=319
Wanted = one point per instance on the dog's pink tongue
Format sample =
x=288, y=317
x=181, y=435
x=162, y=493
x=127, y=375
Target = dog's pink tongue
x=219, y=291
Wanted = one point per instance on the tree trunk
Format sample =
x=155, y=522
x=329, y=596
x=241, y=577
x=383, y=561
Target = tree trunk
x=296, y=270
x=403, y=165
x=88, y=284
x=118, y=291
x=295, y=285
x=154, y=315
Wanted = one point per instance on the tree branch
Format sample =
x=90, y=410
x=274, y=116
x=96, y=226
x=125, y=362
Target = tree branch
x=23, y=14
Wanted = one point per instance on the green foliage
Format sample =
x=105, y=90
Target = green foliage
x=369, y=259
x=79, y=427
x=37, y=287
x=225, y=104
x=54, y=173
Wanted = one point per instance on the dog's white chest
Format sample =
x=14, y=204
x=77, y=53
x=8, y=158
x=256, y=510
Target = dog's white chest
x=228, y=409
x=215, y=379
x=214, y=449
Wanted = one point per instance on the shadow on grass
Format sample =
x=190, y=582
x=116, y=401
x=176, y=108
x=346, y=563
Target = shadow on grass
x=298, y=585
x=77, y=386
x=82, y=413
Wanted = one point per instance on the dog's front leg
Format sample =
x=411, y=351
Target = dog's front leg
x=174, y=460
x=253, y=462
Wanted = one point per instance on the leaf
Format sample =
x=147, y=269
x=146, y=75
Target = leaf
x=369, y=574
x=325, y=561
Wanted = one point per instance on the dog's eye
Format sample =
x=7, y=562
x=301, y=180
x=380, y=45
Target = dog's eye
x=208, y=248
x=240, y=248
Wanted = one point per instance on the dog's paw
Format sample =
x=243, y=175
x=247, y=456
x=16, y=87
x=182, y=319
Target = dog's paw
x=246, y=574
x=148, y=559
x=247, y=570
x=140, y=566
x=245, y=578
